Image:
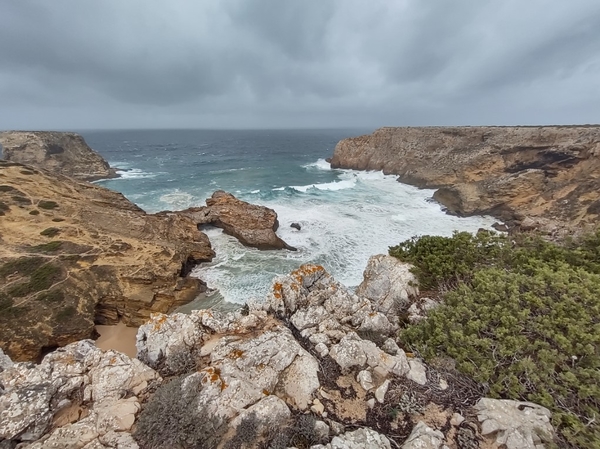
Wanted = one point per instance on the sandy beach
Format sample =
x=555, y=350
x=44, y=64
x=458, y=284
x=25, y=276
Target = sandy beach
x=119, y=337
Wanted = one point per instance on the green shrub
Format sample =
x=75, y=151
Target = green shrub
x=5, y=188
x=55, y=296
x=50, y=232
x=58, y=220
x=446, y=261
x=4, y=208
x=47, y=247
x=66, y=313
x=524, y=318
x=34, y=212
x=41, y=279
x=23, y=265
x=48, y=205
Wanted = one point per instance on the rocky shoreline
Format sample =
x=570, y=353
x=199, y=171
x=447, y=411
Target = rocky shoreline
x=545, y=174
x=313, y=365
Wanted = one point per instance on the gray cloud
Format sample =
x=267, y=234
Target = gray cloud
x=272, y=63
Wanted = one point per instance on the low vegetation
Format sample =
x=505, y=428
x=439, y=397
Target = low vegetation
x=48, y=205
x=521, y=315
x=50, y=232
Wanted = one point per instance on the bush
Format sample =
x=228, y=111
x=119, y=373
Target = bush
x=41, y=279
x=174, y=418
x=48, y=205
x=444, y=261
x=50, y=232
x=34, y=212
x=47, y=247
x=523, y=319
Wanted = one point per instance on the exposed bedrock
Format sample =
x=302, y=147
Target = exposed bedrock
x=58, y=152
x=252, y=225
x=548, y=173
x=315, y=364
x=73, y=253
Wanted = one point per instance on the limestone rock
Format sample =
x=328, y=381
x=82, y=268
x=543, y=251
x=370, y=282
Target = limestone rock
x=541, y=171
x=388, y=283
x=102, y=259
x=424, y=437
x=517, y=425
x=252, y=225
x=417, y=372
x=268, y=412
x=58, y=152
x=5, y=361
x=359, y=439
x=418, y=310
x=79, y=389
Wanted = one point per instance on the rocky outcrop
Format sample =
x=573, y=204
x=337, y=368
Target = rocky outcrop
x=78, y=396
x=550, y=173
x=57, y=152
x=257, y=378
x=73, y=253
x=252, y=225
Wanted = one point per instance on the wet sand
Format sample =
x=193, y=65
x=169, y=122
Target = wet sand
x=119, y=337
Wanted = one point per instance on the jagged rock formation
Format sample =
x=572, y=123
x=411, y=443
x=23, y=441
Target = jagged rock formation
x=546, y=173
x=242, y=379
x=252, y=225
x=58, y=152
x=72, y=253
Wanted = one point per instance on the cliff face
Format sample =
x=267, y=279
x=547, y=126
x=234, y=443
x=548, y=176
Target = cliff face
x=64, y=153
x=72, y=253
x=550, y=172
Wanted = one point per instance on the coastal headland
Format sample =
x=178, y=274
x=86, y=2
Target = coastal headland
x=547, y=174
x=315, y=365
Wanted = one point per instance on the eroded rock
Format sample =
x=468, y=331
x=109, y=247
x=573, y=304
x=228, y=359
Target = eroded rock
x=87, y=392
x=252, y=225
x=517, y=425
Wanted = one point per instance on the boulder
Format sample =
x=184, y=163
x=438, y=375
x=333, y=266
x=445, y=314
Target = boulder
x=57, y=152
x=100, y=258
x=252, y=225
x=78, y=392
x=424, y=437
x=514, y=424
x=388, y=283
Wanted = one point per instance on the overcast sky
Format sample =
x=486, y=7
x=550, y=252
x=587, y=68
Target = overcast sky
x=85, y=64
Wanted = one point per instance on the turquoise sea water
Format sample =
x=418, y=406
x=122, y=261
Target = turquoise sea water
x=346, y=216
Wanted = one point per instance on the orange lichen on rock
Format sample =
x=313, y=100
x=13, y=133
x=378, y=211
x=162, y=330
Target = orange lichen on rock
x=159, y=319
x=277, y=289
x=266, y=392
x=235, y=354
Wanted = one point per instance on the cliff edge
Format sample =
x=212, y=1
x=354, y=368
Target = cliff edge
x=545, y=172
x=58, y=152
x=73, y=253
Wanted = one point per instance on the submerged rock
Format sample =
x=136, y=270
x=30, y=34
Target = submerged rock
x=252, y=225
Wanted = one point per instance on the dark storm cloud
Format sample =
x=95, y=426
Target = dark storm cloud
x=263, y=63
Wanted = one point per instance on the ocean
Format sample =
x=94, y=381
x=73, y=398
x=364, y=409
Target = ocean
x=346, y=216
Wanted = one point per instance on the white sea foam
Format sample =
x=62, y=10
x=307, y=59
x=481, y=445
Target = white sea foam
x=177, y=200
x=134, y=173
x=321, y=164
x=340, y=229
x=336, y=185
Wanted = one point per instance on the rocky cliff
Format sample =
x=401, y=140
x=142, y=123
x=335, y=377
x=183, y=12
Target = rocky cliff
x=58, y=152
x=546, y=173
x=314, y=366
x=72, y=253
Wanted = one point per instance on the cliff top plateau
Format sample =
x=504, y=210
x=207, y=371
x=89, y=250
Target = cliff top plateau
x=549, y=175
x=58, y=152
